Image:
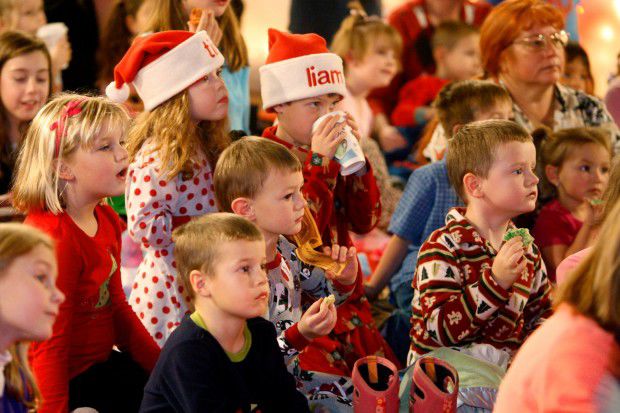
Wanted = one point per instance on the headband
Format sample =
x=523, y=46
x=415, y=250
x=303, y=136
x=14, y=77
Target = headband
x=71, y=108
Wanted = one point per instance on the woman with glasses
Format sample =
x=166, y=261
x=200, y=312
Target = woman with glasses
x=522, y=47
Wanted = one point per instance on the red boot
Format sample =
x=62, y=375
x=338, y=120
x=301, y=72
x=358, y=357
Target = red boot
x=435, y=386
x=376, y=385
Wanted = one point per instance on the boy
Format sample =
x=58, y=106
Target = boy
x=300, y=82
x=470, y=287
x=457, y=56
x=223, y=357
x=426, y=200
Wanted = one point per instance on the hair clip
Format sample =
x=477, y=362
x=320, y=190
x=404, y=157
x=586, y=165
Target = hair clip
x=71, y=108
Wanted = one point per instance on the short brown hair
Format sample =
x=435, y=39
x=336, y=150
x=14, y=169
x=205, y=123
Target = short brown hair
x=474, y=147
x=196, y=243
x=450, y=32
x=244, y=166
x=458, y=102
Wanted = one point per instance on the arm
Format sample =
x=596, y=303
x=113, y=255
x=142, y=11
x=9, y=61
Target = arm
x=390, y=262
x=538, y=307
x=412, y=97
x=320, y=177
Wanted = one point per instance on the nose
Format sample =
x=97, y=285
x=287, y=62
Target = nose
x=599, y=175
x=31, y=85
x=533, y=178
x=58, y=297
x=300, y=202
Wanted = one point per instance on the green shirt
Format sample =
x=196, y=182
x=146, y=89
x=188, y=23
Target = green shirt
x=234, y=357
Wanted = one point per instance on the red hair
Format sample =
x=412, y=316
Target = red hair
x=502, y=26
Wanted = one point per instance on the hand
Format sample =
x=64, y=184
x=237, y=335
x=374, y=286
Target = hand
x=353, y=125
x=61, y=55
x=209, y=24
x=318, y=320
x=327, y=137
x=371, y=291
x=391, y=139
x=592, y=212
x=509, y=263
x=343, y=254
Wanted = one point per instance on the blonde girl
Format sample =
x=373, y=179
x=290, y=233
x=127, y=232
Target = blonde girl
x=569, y=359
x=29, y=302
x=576, y=164
x=370, y=49
x=173, y=147
x=25, y=73
x=173, y=15
x=72, y=158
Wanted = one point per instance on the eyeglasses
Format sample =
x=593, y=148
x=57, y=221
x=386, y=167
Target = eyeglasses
x=539, y=42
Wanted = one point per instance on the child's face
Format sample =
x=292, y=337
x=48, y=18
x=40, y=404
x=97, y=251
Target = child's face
x=298, y=117
x=217, y=6
x=99, y=172
x=576, y=75
x=462, y=62
x=208, y=98
x=510, y=186
x=279, y=205
x=377, y=68
x=24, y=85
x=238, y=285
x=29, y=299
x=30, y=15
x=584, y=173
x=499, y=110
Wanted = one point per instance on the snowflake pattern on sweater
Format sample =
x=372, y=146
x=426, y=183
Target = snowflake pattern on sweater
x=457, y=301
x=155, y=206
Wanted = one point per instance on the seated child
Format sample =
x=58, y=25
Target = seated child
x=427, y=199
x=577, y=73
x=223, y=357
x=576, y=165
x=471, y=287
x=261, y=180
x=457, y=56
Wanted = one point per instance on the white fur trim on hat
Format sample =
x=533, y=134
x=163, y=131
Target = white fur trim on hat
x=177, y=69
x=300, y=78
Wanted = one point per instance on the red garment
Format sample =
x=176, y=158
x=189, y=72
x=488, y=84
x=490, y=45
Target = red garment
x=416, y=93
x=412, y=22
x=340, y=204
x=95, y=315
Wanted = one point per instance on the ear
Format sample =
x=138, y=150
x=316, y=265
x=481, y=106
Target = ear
x=244, y=207
x=130, y=22
x=200, y=283
x=473, y=185
x=278, y=109
x=65, y=173
x=553, y=174
x=439, y=53
x=456, y=128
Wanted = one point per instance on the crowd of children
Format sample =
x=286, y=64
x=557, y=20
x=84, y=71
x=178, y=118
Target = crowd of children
x=250, y=294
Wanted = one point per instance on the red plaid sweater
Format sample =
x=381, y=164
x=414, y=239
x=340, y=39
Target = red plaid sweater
x=457, y=300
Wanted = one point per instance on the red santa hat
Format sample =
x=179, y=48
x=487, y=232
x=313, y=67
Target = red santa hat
x=299, y=66
x=160, y=65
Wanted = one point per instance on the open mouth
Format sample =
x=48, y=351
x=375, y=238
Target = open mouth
x=122, y=174
x=223, y=100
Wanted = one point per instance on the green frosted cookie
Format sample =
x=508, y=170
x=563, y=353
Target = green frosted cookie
x=519, y=232
x=595, y=202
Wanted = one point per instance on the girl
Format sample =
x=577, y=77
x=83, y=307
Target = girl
x=577, y=73
x=173, y=15
x=172, y=148
x=369, y=48
x=29, y=302
x=71, y=159
x=24, y=88
x=569, y=359
x=576, y=170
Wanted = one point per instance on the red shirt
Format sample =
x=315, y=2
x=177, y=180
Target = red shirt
x=414, y=94
x=412, y=22
x=95, y=315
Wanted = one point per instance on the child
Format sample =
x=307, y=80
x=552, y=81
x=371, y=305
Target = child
x=300, y=82
x=25, y=75
x=566, y=362
x=30, y=302
x=577, y=73
x=174, y=15
x=261, y=180
x=470, y=287
x=224, y=357
x=72, y=158
x=427, y=199
x=457, y=56
x=369, y=48
x=172, y=147
x=576, y=167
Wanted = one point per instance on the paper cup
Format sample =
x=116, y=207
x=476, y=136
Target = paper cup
x=52, y=33
x=349, y=153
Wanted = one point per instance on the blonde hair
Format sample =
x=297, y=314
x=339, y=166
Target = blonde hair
x=593, y=288
x=37, y=183
x=196, y=244
x=450, y=32
x=245, y=165
x=171, y=16
x=8, y=15
x=553, y=148
x=611, y=196
x=170, y=131
x=15, y=241
x=474, y=148
x=358, y=32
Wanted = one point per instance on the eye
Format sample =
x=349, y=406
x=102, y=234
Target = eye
x=585, y=168
x=605, y=169
x=288, y=196
x=42, y=278
x=263, y=266
x=219, y=72
x=518, y=171
x=245, y=268
x=105, y=147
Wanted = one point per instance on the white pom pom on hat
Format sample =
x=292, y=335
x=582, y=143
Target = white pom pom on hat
x=117, y=95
